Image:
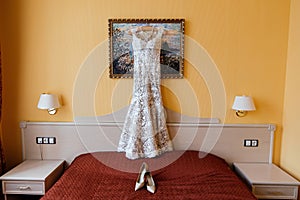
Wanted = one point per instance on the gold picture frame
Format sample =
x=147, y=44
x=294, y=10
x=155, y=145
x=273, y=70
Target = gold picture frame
x=120, y=49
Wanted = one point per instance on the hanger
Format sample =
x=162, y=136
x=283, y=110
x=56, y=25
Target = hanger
x=146, y=28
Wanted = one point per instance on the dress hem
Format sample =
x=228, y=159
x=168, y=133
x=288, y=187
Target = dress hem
x=152, y=154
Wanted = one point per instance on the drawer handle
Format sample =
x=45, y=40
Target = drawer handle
x=26, y=187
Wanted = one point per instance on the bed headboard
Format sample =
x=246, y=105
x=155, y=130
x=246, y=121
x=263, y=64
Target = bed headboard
x=91, y=134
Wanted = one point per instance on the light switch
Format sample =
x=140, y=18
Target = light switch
x=52, y=140
x=247, y=143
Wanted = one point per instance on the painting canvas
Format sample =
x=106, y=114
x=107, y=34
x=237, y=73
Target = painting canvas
x=121, y=54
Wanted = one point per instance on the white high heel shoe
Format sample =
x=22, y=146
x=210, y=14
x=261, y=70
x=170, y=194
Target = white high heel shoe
x=150, y=183
x=140, y=182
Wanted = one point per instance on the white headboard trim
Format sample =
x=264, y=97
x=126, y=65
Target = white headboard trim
x=270, y=127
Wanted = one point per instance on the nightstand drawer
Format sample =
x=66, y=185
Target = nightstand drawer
x=23, y=187
x=275, y=191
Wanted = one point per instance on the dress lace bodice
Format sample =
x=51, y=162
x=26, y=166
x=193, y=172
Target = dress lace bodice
x=147, y=39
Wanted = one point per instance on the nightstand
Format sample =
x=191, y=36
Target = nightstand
x=268, y=181
x=32, y=177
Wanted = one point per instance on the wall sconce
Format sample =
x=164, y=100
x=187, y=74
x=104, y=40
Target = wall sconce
x=243, y=104
x=49, y=102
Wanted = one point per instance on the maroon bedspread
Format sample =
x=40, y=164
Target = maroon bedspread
x=188, y=177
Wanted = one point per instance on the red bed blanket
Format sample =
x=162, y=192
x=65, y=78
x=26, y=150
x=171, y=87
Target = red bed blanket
x=190, y=176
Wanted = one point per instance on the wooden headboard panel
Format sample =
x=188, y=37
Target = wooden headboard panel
x=102, y=134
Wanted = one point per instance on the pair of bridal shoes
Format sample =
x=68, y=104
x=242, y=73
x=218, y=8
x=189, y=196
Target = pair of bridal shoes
x=145, y=177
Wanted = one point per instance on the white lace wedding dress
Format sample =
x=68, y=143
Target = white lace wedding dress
x=145, y=133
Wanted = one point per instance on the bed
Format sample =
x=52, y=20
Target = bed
x=177, y=175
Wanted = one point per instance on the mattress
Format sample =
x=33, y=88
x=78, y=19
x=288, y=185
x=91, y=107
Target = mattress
x=177, y=175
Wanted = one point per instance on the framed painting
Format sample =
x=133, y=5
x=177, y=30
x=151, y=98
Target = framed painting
x=121, y=52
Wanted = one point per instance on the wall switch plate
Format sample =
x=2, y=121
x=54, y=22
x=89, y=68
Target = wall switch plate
x=45, y=140
x=251, y=143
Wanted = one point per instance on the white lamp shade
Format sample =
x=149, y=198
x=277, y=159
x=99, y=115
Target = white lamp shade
x=243, y=103
x=48, y=101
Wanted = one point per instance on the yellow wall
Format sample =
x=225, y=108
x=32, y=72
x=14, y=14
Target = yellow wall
x=45, y=43
x=291, y=132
